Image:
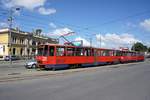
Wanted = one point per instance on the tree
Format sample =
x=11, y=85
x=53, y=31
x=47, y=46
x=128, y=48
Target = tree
x=139, y=47
x=148, y=50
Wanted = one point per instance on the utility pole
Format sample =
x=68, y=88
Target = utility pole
x=134, y=46
x=100, y=41
x=10, y=20
x=90, y=41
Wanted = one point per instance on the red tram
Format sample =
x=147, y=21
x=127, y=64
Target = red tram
x=55, y=56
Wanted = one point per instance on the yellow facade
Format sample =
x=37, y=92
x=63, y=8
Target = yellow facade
x=22, y=43
x=3, y=38
x=17, y=51
x=3, y=43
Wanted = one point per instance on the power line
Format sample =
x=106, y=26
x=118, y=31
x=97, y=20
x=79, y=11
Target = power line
x=33, y=19
x=121, y=19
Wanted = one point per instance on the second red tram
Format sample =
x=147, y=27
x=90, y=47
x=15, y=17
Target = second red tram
x=55, y=56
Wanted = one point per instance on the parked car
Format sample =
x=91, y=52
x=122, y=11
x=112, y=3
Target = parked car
x=1, y=58
x=31, y=64
x=148, y=56
x=7, y=58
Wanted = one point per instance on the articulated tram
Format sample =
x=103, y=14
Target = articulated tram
x=53, y=56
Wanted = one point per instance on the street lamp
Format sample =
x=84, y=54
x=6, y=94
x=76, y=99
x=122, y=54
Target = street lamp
x=10, y=20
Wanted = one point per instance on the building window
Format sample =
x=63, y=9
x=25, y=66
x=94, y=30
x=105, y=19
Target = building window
x=28, y=51
x=33, y=43
x=14, y=51
x=30, y=42
x=3, y=48
x=39, y=43
x=33, y=51
x=21, y=41
x=14, y=40
x=21, y=51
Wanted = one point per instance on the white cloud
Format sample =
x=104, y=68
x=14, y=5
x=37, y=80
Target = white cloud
x=32, y=5
x=28, y=4
x=52, y=25
x=146, y=24
x=45, y=11
x=61, y=31
x=85, y=42
x=3, y=24
x=147, y=44
x=115, y=41
x=131, y=25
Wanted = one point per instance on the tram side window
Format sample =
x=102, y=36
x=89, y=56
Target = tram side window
x=115, y=53
x=87, y=52
x=105, y=52
x=79, y=51
x=125, y=53
x=51, y=51
x=95, y=52
x=92, y=52
x=111, y=53
x=70, y=51
x=45, y=50
x=101, y=53
x=129, y=54
x=136, y=54
x=40, y=51
x=98, y=53
x=118, y=53
x=133, y=54
x=60, y=51
x=139, y=54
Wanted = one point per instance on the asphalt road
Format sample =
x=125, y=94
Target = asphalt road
x=16, y=67
x=124, y=82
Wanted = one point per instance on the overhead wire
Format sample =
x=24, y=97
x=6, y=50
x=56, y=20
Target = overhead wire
x=32, y=19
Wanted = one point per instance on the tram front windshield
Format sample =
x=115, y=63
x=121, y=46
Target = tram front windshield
x=40, y=51
x=46, y=51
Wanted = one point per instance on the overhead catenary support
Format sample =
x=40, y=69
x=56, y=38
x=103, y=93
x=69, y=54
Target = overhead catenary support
x=10, y=20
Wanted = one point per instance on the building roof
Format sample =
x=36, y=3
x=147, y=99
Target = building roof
x=27, y=33
x=4, y=30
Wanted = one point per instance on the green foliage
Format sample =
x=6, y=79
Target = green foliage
x=139, y=47
x=148, y=50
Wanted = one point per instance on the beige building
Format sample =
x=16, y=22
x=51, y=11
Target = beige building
x=21, y=43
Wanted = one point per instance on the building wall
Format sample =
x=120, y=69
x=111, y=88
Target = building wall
x=3, y=38
x=21, y=40
x=4, y=44
x=6, y=49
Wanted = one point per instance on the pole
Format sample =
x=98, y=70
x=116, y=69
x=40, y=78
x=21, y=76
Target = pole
x=90, y=41
x=10, y=19
x=100, y=41
x=134, y=46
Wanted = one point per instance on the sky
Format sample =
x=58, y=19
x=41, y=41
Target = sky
x=106, y=23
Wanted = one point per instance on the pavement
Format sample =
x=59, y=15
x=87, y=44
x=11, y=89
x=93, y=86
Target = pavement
x=114, y=82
